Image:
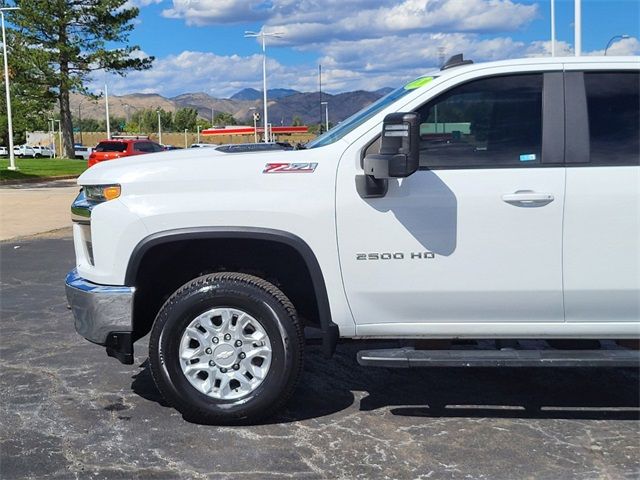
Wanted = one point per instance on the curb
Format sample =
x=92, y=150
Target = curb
x=18, y=181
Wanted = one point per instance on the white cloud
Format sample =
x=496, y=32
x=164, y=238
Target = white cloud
x=347, y=65
x=208, y=12
x=624, y=47
x=140, y=3
x=310, y=20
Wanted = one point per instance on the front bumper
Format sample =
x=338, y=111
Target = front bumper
x=103, y=314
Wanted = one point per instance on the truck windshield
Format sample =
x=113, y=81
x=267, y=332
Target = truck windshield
x=365, y=114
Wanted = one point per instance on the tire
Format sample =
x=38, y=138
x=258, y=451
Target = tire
x=206, y=394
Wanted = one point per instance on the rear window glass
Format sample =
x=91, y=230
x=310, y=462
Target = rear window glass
x=613, y=102
x=111, y=147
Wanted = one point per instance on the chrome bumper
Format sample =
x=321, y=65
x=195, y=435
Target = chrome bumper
x=99, y=310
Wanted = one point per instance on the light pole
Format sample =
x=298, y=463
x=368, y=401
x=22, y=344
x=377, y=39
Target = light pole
x=106, y=109
x=262, y=35
x=553, y=28
x=12, y=158
x=159, y=128
x=612, y=40
x=80, y=119
x=212, y=116
x=53, y=130
x=255, y=123
x=198, y=127
x=185, y=137
x=578, y=26
x=326, y=115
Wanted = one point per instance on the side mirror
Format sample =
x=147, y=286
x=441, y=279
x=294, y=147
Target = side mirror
x=399, y=148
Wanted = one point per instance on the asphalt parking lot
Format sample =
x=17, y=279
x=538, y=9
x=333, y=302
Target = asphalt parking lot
x=69, y=411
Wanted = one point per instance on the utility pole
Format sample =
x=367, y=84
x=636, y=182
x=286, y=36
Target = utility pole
x=159, y=128
x=320, y=92
x=12, y=158
x=553, y=28
x=578, y=27
x=254, y=114
x=326, y=111
x=106, y=103
x=262, y=35
x=80, y=120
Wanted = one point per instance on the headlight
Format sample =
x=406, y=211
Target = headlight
x=101, y=193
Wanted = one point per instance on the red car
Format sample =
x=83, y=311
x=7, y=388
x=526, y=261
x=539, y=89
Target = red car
x=122, y=147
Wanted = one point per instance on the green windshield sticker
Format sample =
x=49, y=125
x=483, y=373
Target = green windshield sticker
x=417, y=83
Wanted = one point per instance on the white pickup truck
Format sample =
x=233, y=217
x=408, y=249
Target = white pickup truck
x=496, y=202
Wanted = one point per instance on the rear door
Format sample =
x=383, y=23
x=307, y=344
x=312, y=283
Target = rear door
x=601, y=245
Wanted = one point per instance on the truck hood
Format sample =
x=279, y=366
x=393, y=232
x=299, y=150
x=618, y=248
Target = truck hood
x=191, y=166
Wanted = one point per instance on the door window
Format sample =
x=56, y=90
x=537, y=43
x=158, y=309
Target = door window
x=613, y=105
x=489, y=123
x=144, y=147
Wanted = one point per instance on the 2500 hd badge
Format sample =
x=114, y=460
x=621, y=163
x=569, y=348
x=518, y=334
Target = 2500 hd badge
x=395, y=256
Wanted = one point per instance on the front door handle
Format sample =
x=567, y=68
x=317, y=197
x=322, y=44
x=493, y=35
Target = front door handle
x=527, y=198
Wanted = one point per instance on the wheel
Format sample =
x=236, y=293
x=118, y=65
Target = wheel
x=226, y=348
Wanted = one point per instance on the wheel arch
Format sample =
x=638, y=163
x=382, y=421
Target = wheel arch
x=330, y=332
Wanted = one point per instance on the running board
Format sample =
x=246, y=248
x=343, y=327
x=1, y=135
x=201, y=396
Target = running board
x=408, y=357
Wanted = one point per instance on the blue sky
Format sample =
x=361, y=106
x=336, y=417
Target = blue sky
x=362, y=44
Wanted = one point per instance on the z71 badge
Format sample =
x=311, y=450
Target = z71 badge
x=290, y=168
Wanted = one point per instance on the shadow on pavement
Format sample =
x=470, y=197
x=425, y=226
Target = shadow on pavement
x=328, y=386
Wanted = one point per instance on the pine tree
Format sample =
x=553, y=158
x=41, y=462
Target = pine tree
x=76, y=38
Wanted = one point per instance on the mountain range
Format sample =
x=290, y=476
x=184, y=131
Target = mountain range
x=284, y=104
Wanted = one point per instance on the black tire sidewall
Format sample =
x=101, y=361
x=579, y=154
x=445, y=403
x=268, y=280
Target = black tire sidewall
x=266, y=309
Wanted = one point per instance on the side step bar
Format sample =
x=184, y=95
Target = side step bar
x=408, y=357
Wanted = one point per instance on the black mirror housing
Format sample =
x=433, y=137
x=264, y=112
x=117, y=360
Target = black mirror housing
x=399, y=148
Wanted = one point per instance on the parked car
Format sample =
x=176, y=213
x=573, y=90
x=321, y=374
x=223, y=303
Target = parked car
x=117, y=148
x=82, y=152
x=491, y=207
x=24, y=151
x=43, y=151
x=4, y=151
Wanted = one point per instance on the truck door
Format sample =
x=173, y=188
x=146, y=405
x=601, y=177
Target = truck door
x=602, y=212
x=475, y=236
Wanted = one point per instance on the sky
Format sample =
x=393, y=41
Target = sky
x=199, y=45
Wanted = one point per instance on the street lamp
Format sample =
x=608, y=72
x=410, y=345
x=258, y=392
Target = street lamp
x=198, y=127
x=326, y=115
x=185, y=137
x=80, y=119
x=159, y=128
x=53, y=131
x=12, y=158
x=106, y=110
x=262, y=35
x=255, y=124
x=612, y=40
x=553, y=28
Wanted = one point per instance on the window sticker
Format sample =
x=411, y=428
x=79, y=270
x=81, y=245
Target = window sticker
x=419, y=82
x=527, y=157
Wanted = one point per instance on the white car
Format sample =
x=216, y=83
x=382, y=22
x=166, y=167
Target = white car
x=24, y=151
x=83, y=152
x=485, y=202
x=4, y=151
x=42, y=151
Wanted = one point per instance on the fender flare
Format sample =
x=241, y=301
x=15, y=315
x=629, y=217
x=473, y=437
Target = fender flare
x=330, y=331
